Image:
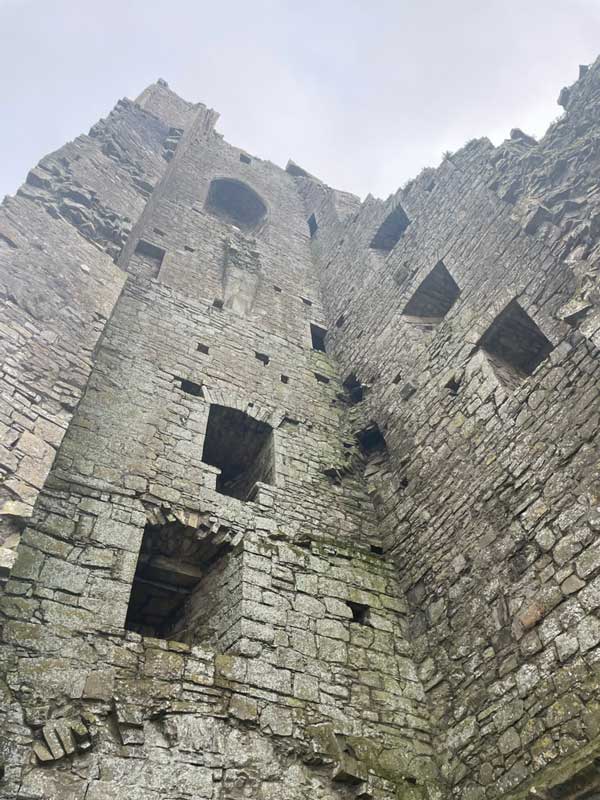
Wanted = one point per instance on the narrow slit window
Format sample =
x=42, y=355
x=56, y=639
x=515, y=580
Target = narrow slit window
x=317, y=335
x=514, y=345
x=433, y=298
x=390, y=231
x=340, y=321
x=312, y=225
x=241, y=447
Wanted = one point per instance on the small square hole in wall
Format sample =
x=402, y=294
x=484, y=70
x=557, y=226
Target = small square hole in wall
x=360, y=612
x=188, y=249
x=453, y=386
x=158, y=231
x=321, y=378
x=317, y=335
x=245, y=159
x=189, y=387
x=262, y=357
x=312, y=225
x=306, y=301
x=376, y=549
x=398, y=378
x=277, y=289
x=284, y=379
x=202, y=348
x=217, y=303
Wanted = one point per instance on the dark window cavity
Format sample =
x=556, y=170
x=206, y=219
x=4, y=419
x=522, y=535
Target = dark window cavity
x=235, y=202
x=168, y=598
x=312, y=225
x=262, y=357
x=360, y=612
x=515, y=345
x=202, y=348
x=354, y=388
x=321, y=378
x=433, y=298
x=306, y=301
x=284, y=379
x=370, y=440
x=241, y=447
x=189, y=387
x=390, y=231
x=317, y=335
x=217, y=303
x=245, y=159
x=340, y=321
x=150, y=252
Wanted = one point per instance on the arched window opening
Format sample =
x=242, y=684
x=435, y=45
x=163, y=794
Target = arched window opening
x=235, y=202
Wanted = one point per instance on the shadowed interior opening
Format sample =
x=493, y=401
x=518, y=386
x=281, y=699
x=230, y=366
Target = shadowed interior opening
x=241, y=447
x=515, y=345
x=433, y=298
x=235, y=202
x=172, y=563
x=390, y=231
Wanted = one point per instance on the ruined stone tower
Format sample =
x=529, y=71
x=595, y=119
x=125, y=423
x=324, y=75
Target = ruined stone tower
x=300, y=494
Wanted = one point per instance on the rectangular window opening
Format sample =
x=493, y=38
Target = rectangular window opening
x=284, y=379
x=202, y=348
x=312, y=225
x=245, y=159
x=371, y=440
x=217, y=303
x=317, y=335
x=189, y=387
x=150, y=252
x=354, y=389
x=321, y=378
x=242, y=448
x=306, y=301
x=515, y=345
x=168, y=597
x=433, y=298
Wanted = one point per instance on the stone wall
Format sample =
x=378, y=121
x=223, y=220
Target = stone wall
x=402, y=600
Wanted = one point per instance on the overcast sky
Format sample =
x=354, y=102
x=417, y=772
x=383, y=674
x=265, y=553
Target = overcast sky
x=362, y=93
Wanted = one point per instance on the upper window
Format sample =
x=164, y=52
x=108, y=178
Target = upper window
x=235, y=202
x=241, y=447
x=515, y=345
x=433, y=298
x=390, y=230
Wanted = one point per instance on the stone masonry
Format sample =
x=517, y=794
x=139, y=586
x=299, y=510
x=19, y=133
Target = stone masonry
x=300, y=495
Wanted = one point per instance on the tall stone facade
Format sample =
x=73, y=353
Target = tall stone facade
x=300, y=494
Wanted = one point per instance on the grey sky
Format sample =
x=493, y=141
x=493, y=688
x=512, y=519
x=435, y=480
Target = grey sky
x=362, y=94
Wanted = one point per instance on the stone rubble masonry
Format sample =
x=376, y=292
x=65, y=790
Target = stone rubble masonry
x=408, y=605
